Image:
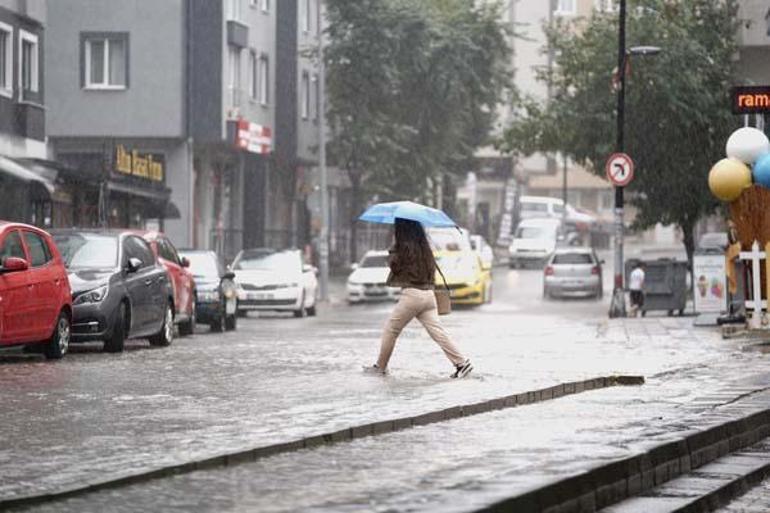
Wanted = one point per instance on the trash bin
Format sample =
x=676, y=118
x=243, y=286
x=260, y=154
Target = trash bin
x=665, y=285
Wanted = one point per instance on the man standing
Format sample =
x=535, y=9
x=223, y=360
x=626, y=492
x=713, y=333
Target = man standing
x=636, y=286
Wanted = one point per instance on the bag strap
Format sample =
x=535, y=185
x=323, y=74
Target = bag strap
x=442, y=277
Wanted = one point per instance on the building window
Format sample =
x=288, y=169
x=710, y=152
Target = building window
x=106, y=61
x=253, y=75
x=28, y=62
x=304, y=99
x=264, y=79
x=305, y=14
x=234, y=75
x=234, y=10
x=565, y=7
x=606, y=5
x=316, y=97
x=6, y=60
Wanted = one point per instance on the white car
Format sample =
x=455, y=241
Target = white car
x=537, y=207
x=271, y=280
x=533, y=242
x=484, y=250
x=367, y=281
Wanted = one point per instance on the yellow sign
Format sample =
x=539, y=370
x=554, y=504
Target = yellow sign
x=138, y=164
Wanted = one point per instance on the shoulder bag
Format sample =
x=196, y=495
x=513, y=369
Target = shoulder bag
x=443, y=301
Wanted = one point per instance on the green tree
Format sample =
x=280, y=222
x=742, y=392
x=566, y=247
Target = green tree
x=413, y=87
x=677, y=115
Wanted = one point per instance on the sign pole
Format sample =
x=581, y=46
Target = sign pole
x=618, y=304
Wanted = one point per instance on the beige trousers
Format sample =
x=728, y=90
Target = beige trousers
x=422, y=305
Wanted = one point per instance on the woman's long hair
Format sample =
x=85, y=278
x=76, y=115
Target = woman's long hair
x=412, y=246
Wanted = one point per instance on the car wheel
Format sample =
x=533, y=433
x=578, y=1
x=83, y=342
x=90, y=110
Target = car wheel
x=220, y=323
x=231, y=322
x=302, y=311
x=166, y=334
x=117, y=341
x=187, y=328
x=60, y=340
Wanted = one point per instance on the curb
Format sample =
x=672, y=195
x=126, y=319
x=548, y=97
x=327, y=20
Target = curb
x=616, y=481
x=343, y=435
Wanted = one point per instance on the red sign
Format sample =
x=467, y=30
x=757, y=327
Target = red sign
x=253, y=137
x=620, y=169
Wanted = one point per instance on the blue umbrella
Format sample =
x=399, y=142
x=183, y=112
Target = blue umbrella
x=386, y=213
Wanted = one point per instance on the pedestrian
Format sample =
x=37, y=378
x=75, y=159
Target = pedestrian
x=636, y=286
x=413, y=268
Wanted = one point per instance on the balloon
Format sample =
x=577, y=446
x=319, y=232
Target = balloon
x=728, y=178
x=762, y=170
x=747, y=144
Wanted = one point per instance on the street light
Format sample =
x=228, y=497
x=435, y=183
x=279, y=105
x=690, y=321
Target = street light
x=618, y=304
x=323, y=243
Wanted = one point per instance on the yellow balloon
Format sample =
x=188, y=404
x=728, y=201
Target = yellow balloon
x=728, y=178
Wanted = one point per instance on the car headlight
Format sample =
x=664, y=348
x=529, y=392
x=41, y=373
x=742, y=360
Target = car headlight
x=208, y=296
x=96, y=295
x=352, y=283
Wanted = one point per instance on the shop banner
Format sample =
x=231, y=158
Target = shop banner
x=710, y=277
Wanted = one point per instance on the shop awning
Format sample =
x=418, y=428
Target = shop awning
x=160, y=197
x=10, y=167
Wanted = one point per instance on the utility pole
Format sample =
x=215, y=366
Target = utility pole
x=323, y=244
x=618, y=304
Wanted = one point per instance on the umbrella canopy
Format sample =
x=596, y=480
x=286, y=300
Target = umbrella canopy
x=386, y=213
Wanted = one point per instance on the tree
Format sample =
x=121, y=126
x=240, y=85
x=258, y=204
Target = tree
x=413, y=89
x=677, y=103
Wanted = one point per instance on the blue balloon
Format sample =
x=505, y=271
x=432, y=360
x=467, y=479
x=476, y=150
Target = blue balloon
x=761, y=170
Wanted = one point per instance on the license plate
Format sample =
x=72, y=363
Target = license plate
x=257, y=296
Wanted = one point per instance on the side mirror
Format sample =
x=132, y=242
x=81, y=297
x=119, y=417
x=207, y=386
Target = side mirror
x=134, y=264
x=13, y=264
x=185, y=262
x=229, y=275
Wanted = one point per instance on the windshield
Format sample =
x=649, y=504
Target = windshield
x=375, y=261
x=202, y=265
x=282, y=261
x=572, y=259
x=533, y=232
x=448, y=239
x=93, y=251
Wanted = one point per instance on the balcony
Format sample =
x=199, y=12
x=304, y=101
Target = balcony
x=237, y=34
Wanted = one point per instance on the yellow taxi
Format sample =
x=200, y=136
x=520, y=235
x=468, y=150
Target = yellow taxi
x=470, y=283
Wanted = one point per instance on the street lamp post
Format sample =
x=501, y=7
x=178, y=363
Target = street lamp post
x=323, y=244
x=618, y=304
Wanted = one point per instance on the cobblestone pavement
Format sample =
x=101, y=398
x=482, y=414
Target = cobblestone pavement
x=96, y=415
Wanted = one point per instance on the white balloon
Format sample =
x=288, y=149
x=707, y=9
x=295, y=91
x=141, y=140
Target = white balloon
x=747, y=144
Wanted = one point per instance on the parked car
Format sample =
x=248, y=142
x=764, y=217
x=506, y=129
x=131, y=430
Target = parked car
x=484, y=250
x=573, y=271
x=537, y=207
x=367, y=281
x=274, y=280
x=119, y=289
x=35, y=297
x=217, y=295
x=533, y=242
x=469, y=283
x=182, y=282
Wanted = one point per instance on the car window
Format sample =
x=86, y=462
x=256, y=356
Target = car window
x=39, y=253
x=259, y=260
x=558, y=209
x=534, y=207
x=134, y=247
x=204, y=265
x=168, y=251
x=572, y=259
x=375, y=261
x=87, y=250
x=12, y=247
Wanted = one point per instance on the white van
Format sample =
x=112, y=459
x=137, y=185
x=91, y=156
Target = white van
x=533, y=241
x=536, y=207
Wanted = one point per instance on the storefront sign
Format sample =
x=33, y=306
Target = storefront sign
x=751, y=99
x=141, y=165
x=710, y=278
x=252, y=137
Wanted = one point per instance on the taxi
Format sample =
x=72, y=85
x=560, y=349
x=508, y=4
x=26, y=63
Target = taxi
x=469, y=282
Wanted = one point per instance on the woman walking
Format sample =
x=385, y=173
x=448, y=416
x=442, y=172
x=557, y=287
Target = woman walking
x=413, y=268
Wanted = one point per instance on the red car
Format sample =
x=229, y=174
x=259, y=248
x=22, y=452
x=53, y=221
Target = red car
x=35, y=297
x=181, y=279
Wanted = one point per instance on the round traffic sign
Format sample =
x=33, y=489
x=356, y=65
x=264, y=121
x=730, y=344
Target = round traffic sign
x=620, y=169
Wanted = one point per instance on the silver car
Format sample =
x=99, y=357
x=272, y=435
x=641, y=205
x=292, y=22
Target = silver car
x=573, y=272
